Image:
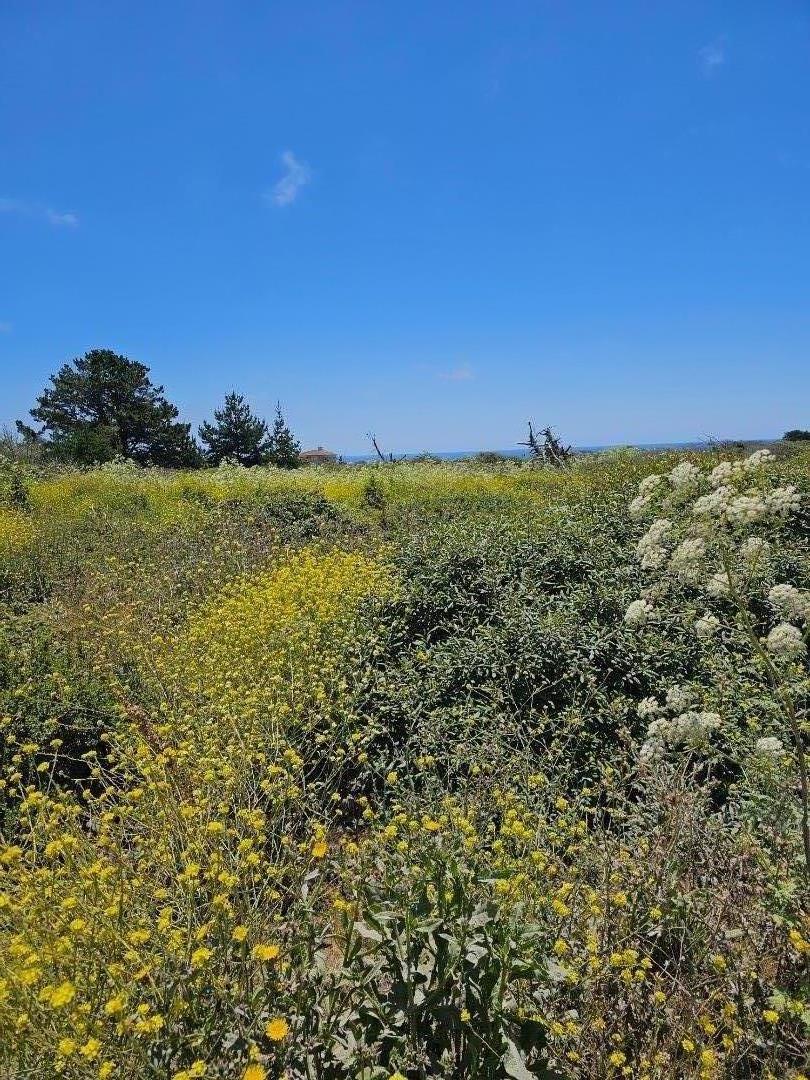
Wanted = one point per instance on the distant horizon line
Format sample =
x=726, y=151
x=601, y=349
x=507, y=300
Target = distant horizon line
x=516, y=452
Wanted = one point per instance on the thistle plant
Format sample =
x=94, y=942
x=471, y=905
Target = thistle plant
x=710, y=554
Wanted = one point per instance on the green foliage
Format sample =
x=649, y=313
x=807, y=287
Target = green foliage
x=373, y=495
x=101, y=405
x=436, y=975
x=236, y=435
x=13, y=486
x=796, y=435
x=329, y=775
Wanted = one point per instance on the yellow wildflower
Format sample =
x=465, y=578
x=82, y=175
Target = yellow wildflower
x=277, y=1029
x=62, y=995
x=254, y=1071
x=266, y=952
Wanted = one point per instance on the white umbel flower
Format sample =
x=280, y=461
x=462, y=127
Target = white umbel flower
x=747, y=509
x=718, y=584
x=693, y=728
x=649, y=484
x=679, y=698
x=684, y=475
x=724, y=473
x=651, y=547
x=707, y=626
x=638, y=613
x=687, y=559
x=786, y=640
x=652, y=750
x=713, y=505
x=758, y=459
x=790, y=603
x=638, y=507
x=754, y=550
x=648, y=707
x=783, y=501
x=657, y=533
x=769, y=744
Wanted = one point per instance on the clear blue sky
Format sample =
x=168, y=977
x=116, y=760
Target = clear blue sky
x=429, y=219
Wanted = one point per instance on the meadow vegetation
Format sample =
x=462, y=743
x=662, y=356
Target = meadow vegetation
x=406, y=770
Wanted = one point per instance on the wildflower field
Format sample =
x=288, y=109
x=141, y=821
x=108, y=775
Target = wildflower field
x=405, y=771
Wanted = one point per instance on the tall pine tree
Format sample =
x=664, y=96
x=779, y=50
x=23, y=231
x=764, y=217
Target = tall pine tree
x=236, y=434
x=102, y=404
x=285, y=450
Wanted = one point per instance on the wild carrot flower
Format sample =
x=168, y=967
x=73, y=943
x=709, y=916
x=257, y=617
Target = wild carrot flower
x=786, y=640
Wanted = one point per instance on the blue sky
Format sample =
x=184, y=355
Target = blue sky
x=431, y=220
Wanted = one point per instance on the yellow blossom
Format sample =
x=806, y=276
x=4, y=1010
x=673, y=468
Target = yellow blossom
x=265, y=952
x=277, y=1029
x=62, y=995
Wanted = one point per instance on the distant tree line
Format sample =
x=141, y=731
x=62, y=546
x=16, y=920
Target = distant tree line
x=101, y=406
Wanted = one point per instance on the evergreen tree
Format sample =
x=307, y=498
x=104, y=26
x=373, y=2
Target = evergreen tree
x=101, y=405
x=236, y=434
x=285, y=450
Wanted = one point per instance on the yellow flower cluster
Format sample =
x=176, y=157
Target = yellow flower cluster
x=163, y=885
x=16, y=530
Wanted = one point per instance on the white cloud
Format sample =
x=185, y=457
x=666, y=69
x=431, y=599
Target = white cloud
x=55, y=218
x=296, y=175
x=44, y=213
x=459, y=374
x=711, y=58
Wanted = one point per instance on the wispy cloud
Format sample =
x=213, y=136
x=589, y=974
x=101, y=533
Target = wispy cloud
x=55, y=218
x=712, y=58
x=459, y=374
x=296, y=175
x=21, y=208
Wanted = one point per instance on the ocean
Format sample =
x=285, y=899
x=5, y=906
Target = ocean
x=519, y=452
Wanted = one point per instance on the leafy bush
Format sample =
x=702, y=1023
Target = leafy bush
x=430, y=770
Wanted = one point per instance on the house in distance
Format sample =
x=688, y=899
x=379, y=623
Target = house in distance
x=319, y=456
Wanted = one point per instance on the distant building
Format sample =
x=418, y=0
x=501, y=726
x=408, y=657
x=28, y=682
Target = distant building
x=318, y=457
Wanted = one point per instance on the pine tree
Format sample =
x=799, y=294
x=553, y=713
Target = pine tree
x=102, y=404
x=285, y=450
x=236, y=434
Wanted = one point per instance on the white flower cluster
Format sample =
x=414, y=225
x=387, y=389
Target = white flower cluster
x=707, y=626
x=651, y=548
x=691, y=729
x=790, y=603
x=747, y=509
x=769, y=744
x=648, y=707
x=646, y=490
x=687, y=560
x=786, y=640
x=713, y=505
x=783, y=501
x=758, y=459
x=727, y=472
x=650, y=484
x=754, y=550
x=685, y=475
x=680, y=698
x=638, y=612
x=718, y=584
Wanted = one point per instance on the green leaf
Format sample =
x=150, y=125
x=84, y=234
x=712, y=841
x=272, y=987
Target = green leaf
x=515, y=1064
